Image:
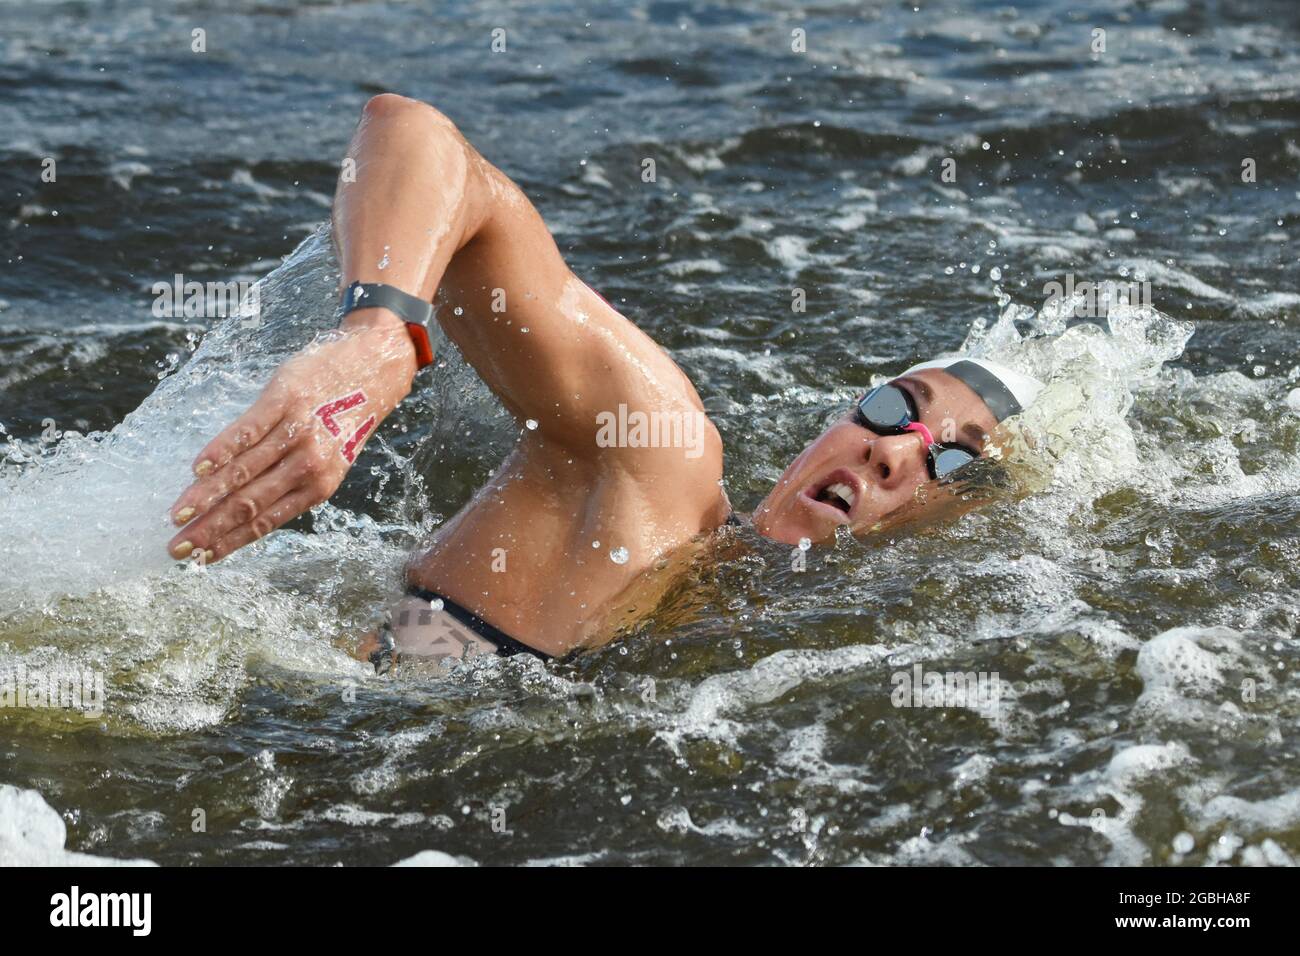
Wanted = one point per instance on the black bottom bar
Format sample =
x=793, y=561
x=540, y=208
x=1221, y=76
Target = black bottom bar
x=333, y=906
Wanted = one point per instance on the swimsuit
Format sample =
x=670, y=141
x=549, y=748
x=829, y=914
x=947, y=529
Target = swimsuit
x=431, y=626
x=506, y=646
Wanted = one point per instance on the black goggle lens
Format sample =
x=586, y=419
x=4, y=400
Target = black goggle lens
x=888, y=410
x=944, y=461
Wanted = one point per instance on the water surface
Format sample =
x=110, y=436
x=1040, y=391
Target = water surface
x=1142, y=610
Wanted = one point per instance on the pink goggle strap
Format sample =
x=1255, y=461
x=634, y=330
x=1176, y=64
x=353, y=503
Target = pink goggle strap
x=925, y=432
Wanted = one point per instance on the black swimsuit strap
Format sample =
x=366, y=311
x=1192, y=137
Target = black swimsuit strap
x=506, y=645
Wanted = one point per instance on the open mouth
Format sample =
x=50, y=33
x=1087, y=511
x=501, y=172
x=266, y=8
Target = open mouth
x=837, y=495
x=838, y=491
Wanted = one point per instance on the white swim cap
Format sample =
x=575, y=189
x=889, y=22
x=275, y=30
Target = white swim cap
x=1004, y=390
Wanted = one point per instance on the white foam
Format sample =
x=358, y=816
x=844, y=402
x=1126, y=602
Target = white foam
x=95, y=511
x=435, y=858
x=33, y=834
x=1140, y=761
x=768, y=679
x=1278, y=814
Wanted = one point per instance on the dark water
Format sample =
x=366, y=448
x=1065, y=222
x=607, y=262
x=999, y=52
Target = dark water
x=1142, y=609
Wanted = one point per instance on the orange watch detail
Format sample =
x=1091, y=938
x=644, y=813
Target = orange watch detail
x=423, y=348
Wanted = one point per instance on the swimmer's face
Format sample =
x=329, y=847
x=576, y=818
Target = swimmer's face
x=850, y=476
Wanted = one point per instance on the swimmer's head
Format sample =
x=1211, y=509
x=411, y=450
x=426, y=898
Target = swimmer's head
x=937, y=416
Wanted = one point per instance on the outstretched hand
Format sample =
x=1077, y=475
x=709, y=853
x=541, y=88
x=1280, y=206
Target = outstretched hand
x=292, y=448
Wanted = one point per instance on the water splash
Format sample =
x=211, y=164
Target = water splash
x=93, y=511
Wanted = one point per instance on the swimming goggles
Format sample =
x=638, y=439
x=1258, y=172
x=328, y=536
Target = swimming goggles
x=889, y=410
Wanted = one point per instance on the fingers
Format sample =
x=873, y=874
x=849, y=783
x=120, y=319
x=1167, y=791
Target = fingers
x=277, y=459
x=280, y=512
x=234, y=474
x=238, y=437
x=243, y=506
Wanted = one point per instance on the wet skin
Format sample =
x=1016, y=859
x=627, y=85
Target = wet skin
x=533, y=552
x=881, y=473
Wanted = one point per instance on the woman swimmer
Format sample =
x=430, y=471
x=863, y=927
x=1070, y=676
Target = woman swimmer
x=589, y=500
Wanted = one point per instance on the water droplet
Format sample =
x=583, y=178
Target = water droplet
x=1184, y=843
x=619, y=556
x=805, y=544
x=436, y=604
x=595, y=544
x=985, y=146
x=995, y=274
x=531, y=424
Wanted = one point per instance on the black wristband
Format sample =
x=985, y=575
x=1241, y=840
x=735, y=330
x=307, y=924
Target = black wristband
x=414, y=312
x=375, y=295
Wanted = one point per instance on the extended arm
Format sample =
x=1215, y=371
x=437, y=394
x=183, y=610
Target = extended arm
x=427, y=214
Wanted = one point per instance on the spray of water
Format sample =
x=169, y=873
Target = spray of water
x=87, y=584
x=93, y=511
